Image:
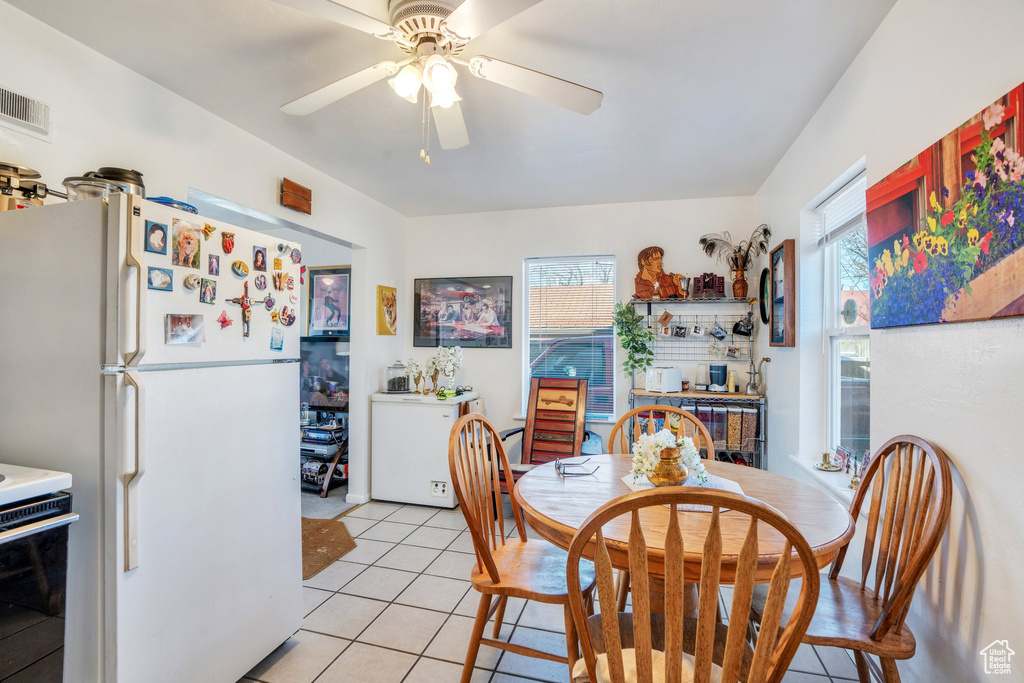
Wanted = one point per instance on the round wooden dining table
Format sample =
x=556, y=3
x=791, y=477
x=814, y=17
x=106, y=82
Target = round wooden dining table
x=555, y=506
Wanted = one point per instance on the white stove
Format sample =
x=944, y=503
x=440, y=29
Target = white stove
x=21, y=483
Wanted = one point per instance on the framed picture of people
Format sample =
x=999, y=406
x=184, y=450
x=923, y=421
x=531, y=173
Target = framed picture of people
x=330, y=301
x=467, y=311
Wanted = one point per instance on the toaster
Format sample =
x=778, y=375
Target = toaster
x=664, y=380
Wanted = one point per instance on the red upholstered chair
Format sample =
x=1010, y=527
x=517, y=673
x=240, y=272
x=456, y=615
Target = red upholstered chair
x=555, y=425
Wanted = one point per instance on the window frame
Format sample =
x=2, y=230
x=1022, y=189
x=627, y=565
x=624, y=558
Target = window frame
x=525, y=373
x=833, y=331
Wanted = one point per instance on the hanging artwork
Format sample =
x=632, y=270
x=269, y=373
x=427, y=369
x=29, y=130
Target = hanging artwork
x=329, y=302
x=652, y=282
x=945, y=230
x=387, y=310
x=468, y=311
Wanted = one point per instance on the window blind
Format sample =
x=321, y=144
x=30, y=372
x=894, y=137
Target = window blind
x=571, y=306
x=844, y=210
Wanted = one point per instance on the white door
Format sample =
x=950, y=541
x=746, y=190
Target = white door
x=218, y=581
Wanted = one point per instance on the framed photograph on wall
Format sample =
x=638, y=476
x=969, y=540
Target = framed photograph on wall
x=783, y=301
x=330, y=300
x=472, y=312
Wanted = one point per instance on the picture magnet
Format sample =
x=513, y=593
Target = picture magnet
x=156, y=237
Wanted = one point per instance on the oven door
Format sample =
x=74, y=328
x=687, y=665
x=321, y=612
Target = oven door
x=33, y=581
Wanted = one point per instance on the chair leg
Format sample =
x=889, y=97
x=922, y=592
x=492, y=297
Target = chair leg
x=474, y=639
x=499, y=615
x=863, y=673
x=572, y=642
x=889, y=672
x=622, y=591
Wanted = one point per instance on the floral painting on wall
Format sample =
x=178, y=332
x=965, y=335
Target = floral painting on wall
x=946, y=230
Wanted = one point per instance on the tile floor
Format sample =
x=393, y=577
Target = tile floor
x=399, y=609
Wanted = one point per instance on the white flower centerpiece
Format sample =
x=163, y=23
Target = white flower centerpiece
x=647, y=454
x=447, y=361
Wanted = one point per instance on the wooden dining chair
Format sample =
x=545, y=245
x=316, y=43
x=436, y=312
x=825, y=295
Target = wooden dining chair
x=556, y=413
x=505, y=567
x=911, y=492
x=620, y=646
x=675, y=420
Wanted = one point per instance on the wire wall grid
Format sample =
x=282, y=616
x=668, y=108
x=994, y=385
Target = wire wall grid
x=682, y=343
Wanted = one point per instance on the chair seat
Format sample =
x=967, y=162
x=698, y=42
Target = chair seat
x=533, y=570
x=596, y=629
x=844, y=617
x=518, y=469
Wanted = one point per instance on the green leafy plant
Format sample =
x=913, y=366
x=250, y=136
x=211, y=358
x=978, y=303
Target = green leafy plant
x=636, y=339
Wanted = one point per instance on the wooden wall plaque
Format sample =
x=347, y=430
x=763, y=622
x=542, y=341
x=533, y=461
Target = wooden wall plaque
x=296, y=197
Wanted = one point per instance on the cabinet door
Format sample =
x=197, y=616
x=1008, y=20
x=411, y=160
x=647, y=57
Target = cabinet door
x=410, y=452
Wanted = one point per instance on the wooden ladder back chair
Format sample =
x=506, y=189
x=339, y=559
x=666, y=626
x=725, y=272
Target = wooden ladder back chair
x=911, y=494
x=686, y=423
x=506, y=567
x=774, y=649
x=556, y=413
x=908, y=489
x=676, y=420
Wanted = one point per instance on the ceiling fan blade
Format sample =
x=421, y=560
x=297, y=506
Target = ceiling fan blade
x=307, y=104
x=451, y=127
x=566, y=94
x=345, y=16
x=473, y=17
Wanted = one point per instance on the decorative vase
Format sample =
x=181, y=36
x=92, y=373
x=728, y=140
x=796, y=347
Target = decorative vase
x=416, y=381
x=433, y=379
x=739, y=283
x=670, y=470
x=449, y=382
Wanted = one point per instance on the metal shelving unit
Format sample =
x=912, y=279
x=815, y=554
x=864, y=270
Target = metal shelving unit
x=691, y=349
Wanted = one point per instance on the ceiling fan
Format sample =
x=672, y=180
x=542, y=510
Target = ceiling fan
x=434, y=33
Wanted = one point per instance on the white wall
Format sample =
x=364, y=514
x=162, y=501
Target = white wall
x=930, y=66
x=497, y=243
x=106, y=115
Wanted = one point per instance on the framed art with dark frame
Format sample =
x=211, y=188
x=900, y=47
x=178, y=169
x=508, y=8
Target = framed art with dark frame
x=783, y=302
x=472, y=312
x=329, y=298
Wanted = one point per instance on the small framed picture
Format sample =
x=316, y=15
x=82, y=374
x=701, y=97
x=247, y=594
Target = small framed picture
x=214, y=268
x=156, y=237
x=161, y=279
x=259, y=258
x=276, y=339
x=698, y=330
x=679, y=331
x=185, y=244
x=208, y=291
x=184, y=328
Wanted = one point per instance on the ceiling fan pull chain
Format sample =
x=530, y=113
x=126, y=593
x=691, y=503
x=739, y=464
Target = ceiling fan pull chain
x=426, y=132
x=423, y=131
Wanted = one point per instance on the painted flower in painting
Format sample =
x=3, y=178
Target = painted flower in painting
x=993, y=116
x=985, y=243
x=920, y=262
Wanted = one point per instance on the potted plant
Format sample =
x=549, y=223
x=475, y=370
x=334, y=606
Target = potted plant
x=636, y=339
x=740, y=256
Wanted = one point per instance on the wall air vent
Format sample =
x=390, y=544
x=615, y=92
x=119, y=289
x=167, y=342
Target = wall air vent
x=25, y=114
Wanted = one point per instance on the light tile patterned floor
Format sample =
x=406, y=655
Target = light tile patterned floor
x=399, y=609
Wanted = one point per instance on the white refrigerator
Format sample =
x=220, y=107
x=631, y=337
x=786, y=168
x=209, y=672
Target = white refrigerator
x=186, y=562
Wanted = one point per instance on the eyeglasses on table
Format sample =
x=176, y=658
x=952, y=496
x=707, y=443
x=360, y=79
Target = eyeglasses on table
x=563, y=468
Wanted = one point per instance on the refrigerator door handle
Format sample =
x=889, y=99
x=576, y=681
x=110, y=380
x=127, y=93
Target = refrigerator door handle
x=131, y=478
x=134, y=256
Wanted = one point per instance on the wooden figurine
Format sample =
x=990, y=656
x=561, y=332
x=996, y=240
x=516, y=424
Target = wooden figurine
x=652, y=282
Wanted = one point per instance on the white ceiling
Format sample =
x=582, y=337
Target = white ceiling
x=701, y=99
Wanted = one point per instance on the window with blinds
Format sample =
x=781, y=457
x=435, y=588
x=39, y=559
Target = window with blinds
x=571, y=302
x=847, y=316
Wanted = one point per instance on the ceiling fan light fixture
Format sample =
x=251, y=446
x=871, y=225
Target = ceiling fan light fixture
x=438, y=74
x=407, y=82
x=444, y=98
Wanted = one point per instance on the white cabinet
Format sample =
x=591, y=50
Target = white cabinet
x=409, y=448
